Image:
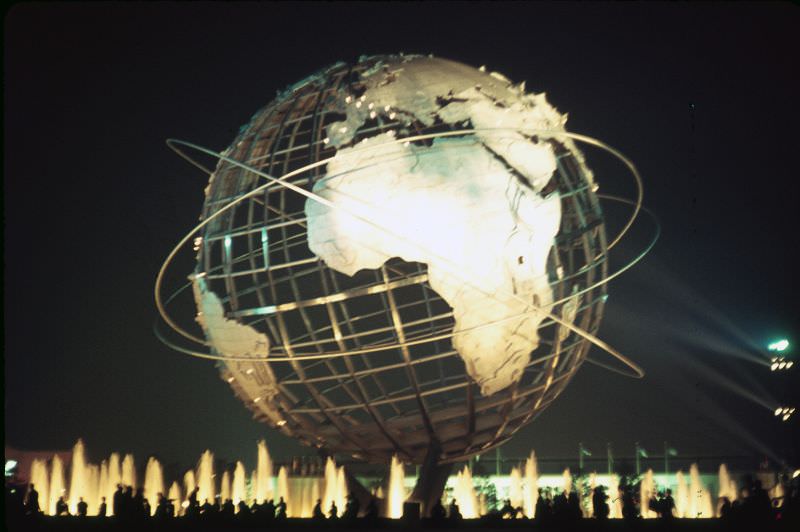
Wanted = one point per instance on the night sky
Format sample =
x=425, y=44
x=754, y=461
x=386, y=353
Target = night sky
x=703, y=98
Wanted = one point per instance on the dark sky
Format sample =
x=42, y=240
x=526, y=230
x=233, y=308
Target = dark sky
x=702, y=97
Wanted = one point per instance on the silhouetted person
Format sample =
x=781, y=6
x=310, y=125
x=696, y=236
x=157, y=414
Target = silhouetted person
x=269, y=509
x=654, y=505
x=206, y=509
x=193, y=498
x=574, y=506
x=32, y=501
x=281, y=509
x=790, y=511
x=138, y=510
x=193, y=508
x=128, y=509
x=560, y=503
x=83, y=508
x=244, y=510
x=438, y=513
x=145, y=508
x=333, y=513
x=599, y=504
x=762, y=506
x=192, y=512
x=543, y=509
x=725, y=509
x=170, y=508
x=628, y=504
x=455, y=513
x=161, y=507
x=103, y=508
x=317, y=514
x=116, y=501
x=667, y=505
x=228, y=509
x=61, y=507
x=507, y=510
x=352, y=508
x=372, y=510
x=560, y=508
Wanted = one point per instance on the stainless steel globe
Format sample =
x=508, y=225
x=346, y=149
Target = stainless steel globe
x=366, y=364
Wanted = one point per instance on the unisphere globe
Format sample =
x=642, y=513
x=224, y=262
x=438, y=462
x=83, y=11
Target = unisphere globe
x=413, y=268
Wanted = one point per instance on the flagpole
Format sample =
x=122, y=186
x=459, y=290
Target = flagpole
x=666, y=461
x=580, y=457
x=638, y=461
x=610, y=459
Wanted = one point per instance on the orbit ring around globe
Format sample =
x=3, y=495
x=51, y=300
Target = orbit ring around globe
x=634, y=369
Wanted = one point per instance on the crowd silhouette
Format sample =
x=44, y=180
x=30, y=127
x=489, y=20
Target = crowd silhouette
x=557, y=510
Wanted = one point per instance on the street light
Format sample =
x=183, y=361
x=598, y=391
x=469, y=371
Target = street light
x=10, y=466
x=779, y=346
x=784, y=412
x=780, y=363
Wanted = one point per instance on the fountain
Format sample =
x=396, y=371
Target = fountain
x=114, y=478
x=727, y=487
x=464, y=494
x=681, y=495
x=515, y=488
x=175, y=495
x=777, y=493
x=56, y=484
x=310, y=498
x=586, y=502
x=40, y=480
x=302, y=494
x=283, y=483
x=567, y=478
x=128, y=471
x=692, y=498
x=239, y=484
x=225, y=487
x=205, y=477
x=531, y=486
x=153, y=483
x=329, y=495
x=614, y=500
x=102, y=488
x=79, y=483
x=341, y=489
x=190, y=483
x=699, y=497
x=316, y=493
x=397, y=492
x=263, y=474
x=647, y=489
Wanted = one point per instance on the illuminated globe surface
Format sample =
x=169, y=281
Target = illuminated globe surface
x=400, y=295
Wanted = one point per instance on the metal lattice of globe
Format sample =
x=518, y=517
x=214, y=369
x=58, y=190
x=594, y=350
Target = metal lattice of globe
x=420, y=286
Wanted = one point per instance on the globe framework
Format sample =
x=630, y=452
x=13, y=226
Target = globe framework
x=363, y=363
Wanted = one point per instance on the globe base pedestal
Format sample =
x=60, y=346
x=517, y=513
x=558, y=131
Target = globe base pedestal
x=431, y=481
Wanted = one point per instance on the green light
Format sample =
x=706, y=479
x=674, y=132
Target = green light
x=265, y=246
x=227, y=248
x=779, y=346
